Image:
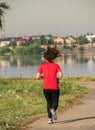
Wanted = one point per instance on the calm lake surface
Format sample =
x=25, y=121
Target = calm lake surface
x=81, y=64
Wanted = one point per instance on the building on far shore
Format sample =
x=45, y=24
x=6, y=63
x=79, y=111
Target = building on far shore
x=4, y=43
x=58, y=40
x=69, y=40
x=90, y=37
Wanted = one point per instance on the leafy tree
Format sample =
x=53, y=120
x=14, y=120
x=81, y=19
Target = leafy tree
x=3, y=8
x=50, y=41
x=21, y=51
x=82, y=40
x=31, y=49
x=4, y=50
x=34, y=48
x=93, y=40
x=13, y=44
x=43, y=40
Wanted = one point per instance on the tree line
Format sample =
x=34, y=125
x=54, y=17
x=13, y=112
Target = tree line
x=33, y=46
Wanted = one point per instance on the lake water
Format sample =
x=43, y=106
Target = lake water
x=81, y=64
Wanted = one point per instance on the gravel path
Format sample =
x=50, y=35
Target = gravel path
x=79, y=117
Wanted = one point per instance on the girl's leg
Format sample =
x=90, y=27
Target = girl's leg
x=55, y=99
x=47, y=95
x=55, y=102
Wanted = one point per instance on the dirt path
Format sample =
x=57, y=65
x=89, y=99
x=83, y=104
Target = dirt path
x=79, y=117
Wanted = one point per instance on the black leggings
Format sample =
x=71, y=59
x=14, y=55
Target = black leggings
x=52, y=98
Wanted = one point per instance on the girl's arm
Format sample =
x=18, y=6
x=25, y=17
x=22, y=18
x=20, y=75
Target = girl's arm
x=39, y=76
x=60, y=75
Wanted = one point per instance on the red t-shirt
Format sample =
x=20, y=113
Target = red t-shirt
x=49, y=70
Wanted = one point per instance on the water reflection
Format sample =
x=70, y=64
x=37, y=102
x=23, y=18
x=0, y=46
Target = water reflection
x=81, y=64
x=17, y=66
x=19, y=60
x=79, y=58
x=26, y=66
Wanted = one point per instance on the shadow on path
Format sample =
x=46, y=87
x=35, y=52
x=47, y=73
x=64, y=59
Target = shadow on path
x=74, y=120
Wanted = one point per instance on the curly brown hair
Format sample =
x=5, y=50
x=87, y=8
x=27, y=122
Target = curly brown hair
x=51, y=53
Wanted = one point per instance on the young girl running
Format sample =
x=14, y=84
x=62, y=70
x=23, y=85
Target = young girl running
x=51, y=73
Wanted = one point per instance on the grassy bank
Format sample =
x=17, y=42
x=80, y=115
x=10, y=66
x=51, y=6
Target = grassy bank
x=22, y=99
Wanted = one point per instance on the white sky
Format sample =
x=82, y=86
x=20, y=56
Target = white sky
x=55, y=17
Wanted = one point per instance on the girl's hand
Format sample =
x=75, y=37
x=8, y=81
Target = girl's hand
x=39, y=76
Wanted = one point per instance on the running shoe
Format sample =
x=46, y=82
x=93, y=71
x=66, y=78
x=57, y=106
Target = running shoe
x=50, y=121
x=54, y=116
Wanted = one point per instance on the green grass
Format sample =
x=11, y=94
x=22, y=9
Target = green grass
x=21, y=99
x=80, y=78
